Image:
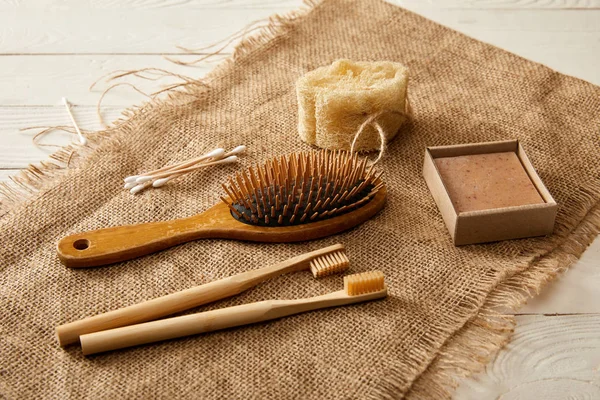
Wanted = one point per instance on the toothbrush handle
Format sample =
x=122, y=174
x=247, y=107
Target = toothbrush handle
x=149, y=310
x=209, y=321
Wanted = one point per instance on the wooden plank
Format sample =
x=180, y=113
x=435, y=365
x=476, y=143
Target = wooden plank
x=5, y=174
x=17, y=149
x=82, y=28
x=576, y=291
x=270, y=4
x=45, y=79
x=52, y=30
x=547, y=358
x=502, y=4
x=193, y=4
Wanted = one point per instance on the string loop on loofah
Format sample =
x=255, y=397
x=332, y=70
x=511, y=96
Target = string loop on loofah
x=333, y=100
x=372, y=120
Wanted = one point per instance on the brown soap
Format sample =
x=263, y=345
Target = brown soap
x=487, y=181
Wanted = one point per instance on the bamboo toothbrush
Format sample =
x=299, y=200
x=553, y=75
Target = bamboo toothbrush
x=357, y=288
x=322, y=262
x=303, y=196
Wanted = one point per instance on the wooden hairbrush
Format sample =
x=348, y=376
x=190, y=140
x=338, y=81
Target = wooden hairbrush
x=303, y=196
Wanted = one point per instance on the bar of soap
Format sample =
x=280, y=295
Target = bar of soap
x=487, y=181
x=333, y=102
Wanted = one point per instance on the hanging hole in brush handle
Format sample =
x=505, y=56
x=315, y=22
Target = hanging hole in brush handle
x=120, y=243
x=81, y=244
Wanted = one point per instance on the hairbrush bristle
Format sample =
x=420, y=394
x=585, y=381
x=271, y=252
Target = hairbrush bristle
x=366, y=282
x=301, y=188
x=329, y=264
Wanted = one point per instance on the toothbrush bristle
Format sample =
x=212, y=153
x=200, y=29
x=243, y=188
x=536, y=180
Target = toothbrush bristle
x=301, y=188
x=363, y=283
x=329, y=264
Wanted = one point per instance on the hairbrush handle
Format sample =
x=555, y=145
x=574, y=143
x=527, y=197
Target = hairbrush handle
x=120, y=243
x=184, y=300
x=209, y=321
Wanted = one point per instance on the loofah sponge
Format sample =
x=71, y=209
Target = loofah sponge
x=334, y=101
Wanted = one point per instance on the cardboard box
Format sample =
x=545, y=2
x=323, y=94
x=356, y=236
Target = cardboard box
x=492, y=224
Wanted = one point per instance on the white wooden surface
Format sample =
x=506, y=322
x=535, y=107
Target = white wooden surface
x=53, y=48
x=549, y=357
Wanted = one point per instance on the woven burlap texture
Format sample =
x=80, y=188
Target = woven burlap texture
x=437, y=323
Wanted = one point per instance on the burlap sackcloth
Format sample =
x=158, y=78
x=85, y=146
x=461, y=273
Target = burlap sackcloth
x=437, y=323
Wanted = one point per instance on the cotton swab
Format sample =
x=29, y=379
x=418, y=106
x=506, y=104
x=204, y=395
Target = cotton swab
x=237, y=150
x=140, y=187
x=131, y=178
x=172, y=169
x=215, y=154
x=178, y=172
x=82, y=139
x=160, y=177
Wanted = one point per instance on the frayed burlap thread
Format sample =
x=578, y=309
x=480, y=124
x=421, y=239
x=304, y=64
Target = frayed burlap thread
x=438, y=323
